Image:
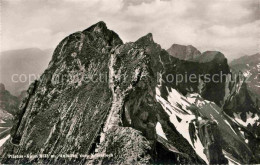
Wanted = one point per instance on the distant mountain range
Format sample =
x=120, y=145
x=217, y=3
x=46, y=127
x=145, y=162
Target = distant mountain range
x=20, y=64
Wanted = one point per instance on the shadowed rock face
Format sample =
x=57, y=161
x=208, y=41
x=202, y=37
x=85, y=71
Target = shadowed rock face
x=192, y=62
x=9, y=103
x=249, y=66
x=211, y=56
x=119, y=106
x=243, y=103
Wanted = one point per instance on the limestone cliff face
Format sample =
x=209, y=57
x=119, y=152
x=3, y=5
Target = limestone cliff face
x=244, y=111
x=249, y=66
x=243, y=103
x=99, y=96
x=65, y=109
x=182, y=52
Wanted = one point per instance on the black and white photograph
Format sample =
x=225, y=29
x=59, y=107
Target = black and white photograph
x=129, y=82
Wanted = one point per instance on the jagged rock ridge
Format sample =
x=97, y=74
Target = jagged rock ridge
x=128, y=109
x=249, y=66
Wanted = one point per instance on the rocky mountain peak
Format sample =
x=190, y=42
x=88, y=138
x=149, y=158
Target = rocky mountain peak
x=102, y=29
x=210, y=56
x=98, y=27
x=145, y=40
x=184, y=52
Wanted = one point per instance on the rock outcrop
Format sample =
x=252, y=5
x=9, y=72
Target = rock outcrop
x=188, y=53
x=9, y=103
x=249, y=66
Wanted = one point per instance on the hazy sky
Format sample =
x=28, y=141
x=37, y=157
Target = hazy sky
x=230, y=26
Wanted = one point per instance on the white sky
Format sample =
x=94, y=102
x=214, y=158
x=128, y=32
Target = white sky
x=229, y=26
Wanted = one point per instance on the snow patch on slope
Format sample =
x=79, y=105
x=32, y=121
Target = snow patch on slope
x=247, y=73
x=250, y=119
x=160, y=131
x=230, y=158
x=2, y=141
x=2, y=121
x=258, y=67
x=172, y=108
